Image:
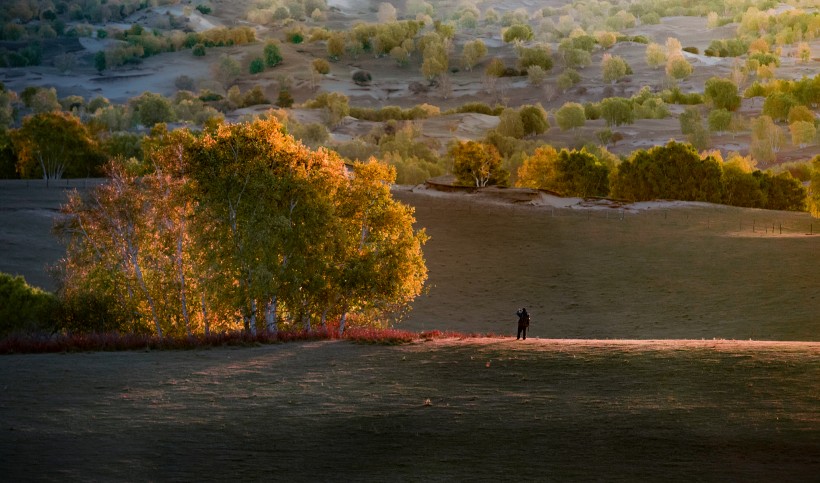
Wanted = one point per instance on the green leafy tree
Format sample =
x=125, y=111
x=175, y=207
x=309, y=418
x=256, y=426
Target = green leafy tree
x=674, y=171
x=23, y=308
x=722, y=93
x=570, y=116
x=150, y=108
x=272, y=54
x=655, y=55
x=55, y=144
x=614, y=68
x=778, y=104
x=517, y=32
x=617, y=111
x=472, y=53
x=533, y=119
x=719, y=120
x=531, y=56
x=256, y=66
x=100, y=62
x=435, y=60
x=582, y=174
x=677, y=67
x=477, y=164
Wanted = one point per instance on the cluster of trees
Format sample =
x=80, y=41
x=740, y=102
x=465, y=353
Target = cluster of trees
x=674, y=171
x=239, y=226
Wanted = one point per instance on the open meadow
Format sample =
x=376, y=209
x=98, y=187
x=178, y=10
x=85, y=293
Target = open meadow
x=551, y=408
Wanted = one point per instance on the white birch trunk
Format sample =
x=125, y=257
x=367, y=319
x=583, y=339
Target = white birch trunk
x=342, y=320
x=270, y=315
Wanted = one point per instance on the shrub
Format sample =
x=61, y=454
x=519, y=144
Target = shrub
x=203, y=9
x=24, y=308
x=198, y=50
x=362, y=77
x=321, y=66
x=284, y=99
x=257, y=66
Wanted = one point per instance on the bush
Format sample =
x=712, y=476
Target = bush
x=362, y=77
x=198, y=50
x=257, y=66
x=24, y=308
x=321, y=66
x=203, y=9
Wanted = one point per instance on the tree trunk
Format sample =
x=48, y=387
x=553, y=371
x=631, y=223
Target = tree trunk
x=205, y=324
x=342, y=320
x=182, y=296
x=134, y=252
x=270, y=315
x=253, y=318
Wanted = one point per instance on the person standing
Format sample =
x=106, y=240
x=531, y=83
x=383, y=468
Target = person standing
x=523, y=323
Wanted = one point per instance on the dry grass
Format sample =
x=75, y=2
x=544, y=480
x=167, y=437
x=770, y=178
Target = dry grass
x=470, y=409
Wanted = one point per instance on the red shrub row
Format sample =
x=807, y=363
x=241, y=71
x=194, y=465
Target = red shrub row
x=25, y=344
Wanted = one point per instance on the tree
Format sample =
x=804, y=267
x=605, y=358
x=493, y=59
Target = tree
x=533, y=119
x=803, y=52
x=800, y=113
x=655, y=56
x=814, y=188
x=256, y=66
x=271, y=54
x=227, y=70
x=617, y=111
x=477, y=164
x=674, y=171
x=581, y=174
x=517, y=32
x=24, y=308
x=570, y=116
x=677, y=67
x=803, y=133
x=722, y=93
x=386, y=13
x=150, y=108
x=539, y=170
x=767, y=139
x=719, y=120
x=435, y=60
x=53, y=144
x=472, y=53
x=377, y=265
x=614, y=68
x=100, y=61
x=530, y=56
x=778, y=104
x=336, y=46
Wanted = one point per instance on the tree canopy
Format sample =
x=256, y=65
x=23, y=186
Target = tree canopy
x=242, y=226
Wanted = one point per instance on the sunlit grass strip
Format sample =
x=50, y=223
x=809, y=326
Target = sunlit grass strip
x=107, y=342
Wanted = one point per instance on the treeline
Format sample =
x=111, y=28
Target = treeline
x=238, y=227
x=675, y=171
